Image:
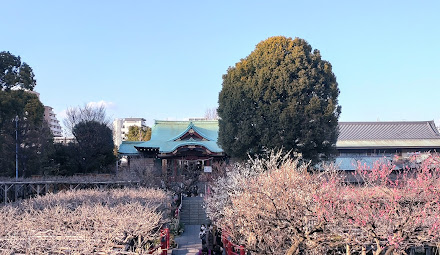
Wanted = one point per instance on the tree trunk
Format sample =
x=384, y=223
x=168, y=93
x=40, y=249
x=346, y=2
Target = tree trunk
x=347, y=249
x=389, y=250
x=294, y=248
x=364, y=251
x=378, y=250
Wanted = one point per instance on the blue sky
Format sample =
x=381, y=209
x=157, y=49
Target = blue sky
x=165, y=59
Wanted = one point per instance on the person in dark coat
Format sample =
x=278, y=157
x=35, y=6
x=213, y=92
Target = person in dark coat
x=210, y=238
x=202, y=234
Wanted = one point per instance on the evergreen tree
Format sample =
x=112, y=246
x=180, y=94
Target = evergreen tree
x=136, y=133
x=95, y=146
x=34, y=136
x=14, y=73
x=93, y=150
x=283, y=95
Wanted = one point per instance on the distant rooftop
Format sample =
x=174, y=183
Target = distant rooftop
x=134, y=119
x=388, y=130
x=399, y=134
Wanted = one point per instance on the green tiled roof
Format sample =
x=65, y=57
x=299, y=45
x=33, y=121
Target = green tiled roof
x=165, y=135
x=128, y=147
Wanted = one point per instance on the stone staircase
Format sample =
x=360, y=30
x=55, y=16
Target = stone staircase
x=192, y=212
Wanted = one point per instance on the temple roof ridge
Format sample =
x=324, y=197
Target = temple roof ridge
x=193, y=127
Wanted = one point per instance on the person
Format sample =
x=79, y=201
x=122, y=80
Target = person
x=210, y=239
x=218, y=237
x=204, y=251
x=217, y=250
x=202, y=234
x=195, y=192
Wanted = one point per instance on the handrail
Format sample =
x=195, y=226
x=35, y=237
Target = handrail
x=164, y=242
x=179, y=208
x=231, y=248
x=69, y=182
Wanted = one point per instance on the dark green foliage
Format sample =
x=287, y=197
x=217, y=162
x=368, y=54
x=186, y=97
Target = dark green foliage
x=14, y=73
x=136, y=133
x=36, y=149
x=95, y=147
x=34, y=136
x=65, y=159
x=93, y=150
x=282, y=95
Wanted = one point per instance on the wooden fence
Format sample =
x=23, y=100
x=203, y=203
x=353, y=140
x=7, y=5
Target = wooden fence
x=13, y=191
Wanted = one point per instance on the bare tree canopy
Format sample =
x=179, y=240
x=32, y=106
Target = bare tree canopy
x=86, y=113
x=211, y=114
x=276, y=205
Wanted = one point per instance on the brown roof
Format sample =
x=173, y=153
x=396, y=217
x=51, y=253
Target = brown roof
x=400, y=130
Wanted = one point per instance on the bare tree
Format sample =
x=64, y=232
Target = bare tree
x=85, y=222
x=278, y=206
x=211, y=114
x=269, y=205
x=391, y=212
x=79, y=114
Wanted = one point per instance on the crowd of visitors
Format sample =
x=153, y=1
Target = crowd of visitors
x=211, y=238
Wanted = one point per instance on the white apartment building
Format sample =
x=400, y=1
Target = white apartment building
x=120, y=128
x=52, y=121
x=64, y=140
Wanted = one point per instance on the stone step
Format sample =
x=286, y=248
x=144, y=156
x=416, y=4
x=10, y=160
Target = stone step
x=192, y=216
x=193, y=212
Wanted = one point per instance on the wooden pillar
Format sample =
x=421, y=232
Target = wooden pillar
x=6, y=193
x=16, y=191
x=174, y=168
x=164, y=167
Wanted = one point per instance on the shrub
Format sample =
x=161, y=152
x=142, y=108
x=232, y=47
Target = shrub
x=84, y=222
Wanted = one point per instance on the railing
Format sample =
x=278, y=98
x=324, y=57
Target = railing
x=179, y=209
x=164, y=242
x=14, y=190
x=231, y=248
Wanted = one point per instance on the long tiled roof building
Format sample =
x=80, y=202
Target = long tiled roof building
x=195, y=142
x=370, y=141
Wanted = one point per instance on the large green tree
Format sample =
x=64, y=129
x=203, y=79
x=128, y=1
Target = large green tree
x=14, y=73
x=283, y=95
x=34, y=136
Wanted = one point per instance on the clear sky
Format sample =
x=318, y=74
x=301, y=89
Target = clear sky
x=165, y=59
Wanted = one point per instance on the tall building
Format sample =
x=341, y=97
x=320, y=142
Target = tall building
x=121, y=126
x=52, y=121
x=50, y=118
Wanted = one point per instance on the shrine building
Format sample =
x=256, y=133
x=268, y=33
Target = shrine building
x=177, y=145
